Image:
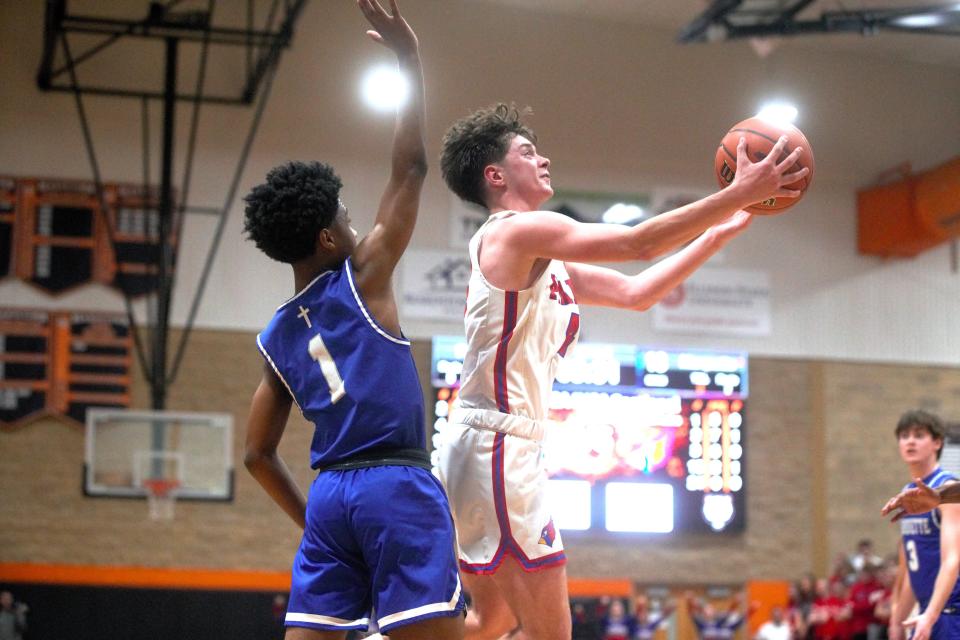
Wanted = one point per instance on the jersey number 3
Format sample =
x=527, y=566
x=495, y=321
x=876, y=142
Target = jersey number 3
x=913, y=560
x=320, y=353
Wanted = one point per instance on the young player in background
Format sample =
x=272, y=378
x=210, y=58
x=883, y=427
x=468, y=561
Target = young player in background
x=930, y=546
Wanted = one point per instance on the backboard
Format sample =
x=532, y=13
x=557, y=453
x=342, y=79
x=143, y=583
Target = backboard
x=126, y=449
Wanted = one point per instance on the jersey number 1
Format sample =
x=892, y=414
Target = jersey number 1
x=320, y=353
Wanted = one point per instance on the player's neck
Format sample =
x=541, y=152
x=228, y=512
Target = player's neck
x=923, y=468
x=512, y=202
x=306, y=271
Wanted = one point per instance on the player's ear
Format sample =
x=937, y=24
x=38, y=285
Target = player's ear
x=325, y=240
x=493, y=175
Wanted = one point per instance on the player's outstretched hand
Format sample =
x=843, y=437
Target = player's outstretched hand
x=392, y=31
x=759, y=181
x=912, y=501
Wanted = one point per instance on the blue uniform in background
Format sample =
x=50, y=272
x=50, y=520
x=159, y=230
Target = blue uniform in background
x=721, y=628
x=648, y=629
x=378, y=527
x=921, y=545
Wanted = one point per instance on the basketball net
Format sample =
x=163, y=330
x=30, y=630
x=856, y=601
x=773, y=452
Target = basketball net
x=161, y=497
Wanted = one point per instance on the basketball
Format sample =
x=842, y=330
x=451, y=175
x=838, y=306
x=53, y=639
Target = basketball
x=761, y=135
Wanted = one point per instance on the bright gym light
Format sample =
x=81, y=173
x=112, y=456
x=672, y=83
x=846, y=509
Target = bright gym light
x=622, y=213
x=921, y=20
x=385, y=88
x=778, y=112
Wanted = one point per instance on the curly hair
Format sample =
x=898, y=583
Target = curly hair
x=474, y=142
x=284, y=215
x=918, y=418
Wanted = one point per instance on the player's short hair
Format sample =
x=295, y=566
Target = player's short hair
x=918, y=418
x=284, y=214
x=476, y=141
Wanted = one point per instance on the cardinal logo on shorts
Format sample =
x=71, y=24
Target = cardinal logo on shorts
x=548, y=534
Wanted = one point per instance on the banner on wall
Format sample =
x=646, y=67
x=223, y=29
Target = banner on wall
x=725, y=302
x=465, y=219
x=434, y=285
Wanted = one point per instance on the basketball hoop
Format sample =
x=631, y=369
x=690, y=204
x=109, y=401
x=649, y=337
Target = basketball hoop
x=161, y=497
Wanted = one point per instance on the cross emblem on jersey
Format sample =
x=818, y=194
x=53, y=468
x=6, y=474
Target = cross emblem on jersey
x=303, y=314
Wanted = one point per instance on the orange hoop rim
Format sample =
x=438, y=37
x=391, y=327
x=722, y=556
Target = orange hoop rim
x=160, y=487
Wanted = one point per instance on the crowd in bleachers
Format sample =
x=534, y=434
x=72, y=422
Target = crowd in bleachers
x=852, y=603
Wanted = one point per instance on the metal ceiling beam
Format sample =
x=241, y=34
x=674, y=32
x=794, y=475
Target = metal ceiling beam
x=733, y=21
x=263, y=46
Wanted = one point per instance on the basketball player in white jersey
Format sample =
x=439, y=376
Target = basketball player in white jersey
x=530, y=274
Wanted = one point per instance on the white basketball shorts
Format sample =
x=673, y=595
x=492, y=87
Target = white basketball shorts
x=496, y=484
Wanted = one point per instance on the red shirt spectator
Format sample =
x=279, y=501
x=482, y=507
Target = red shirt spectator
x=863, y=601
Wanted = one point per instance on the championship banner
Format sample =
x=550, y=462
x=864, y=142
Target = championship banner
x=62, y=363
x=723, y=302
x=434, y=285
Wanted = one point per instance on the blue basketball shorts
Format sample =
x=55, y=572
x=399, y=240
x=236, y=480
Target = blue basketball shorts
x=376, y=538
x=947, y=627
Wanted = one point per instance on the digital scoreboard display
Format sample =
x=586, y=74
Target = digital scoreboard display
x=639, y=440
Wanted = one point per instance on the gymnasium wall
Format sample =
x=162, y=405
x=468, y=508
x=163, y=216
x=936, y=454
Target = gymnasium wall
x=821, y=461
x=619, y=107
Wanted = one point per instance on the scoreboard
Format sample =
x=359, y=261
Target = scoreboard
x=639, y=440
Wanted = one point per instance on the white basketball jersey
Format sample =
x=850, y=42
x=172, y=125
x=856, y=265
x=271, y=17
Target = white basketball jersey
x=516, y=338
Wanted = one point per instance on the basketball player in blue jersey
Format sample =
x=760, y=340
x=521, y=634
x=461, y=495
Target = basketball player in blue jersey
x=378, y=534
x=930, y=548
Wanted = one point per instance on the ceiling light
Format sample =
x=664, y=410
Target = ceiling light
x=385, y=88
x=920, y=20
x=621, y=213
x=778, y=113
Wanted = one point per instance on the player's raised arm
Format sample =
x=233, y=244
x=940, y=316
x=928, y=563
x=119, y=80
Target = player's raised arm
x=377, y=255
x=551, y=235
x=600, y=286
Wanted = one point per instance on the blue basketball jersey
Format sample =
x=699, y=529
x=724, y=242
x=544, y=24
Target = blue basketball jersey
x=354, y=381
x=921, y=545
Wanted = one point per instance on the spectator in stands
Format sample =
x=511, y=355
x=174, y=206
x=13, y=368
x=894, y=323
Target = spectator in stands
x=585, y=623
x=863, y=600
x=13, y=617
x=647, y=621
x=617, y=624
x=795, y=618
x=842, y=571
x=831, y=612
x=864, y=556
x=776, y=628
x=714, y=625
x=801, y=602
x=883, y=601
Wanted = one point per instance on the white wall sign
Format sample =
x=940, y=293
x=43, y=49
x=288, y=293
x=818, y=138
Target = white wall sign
x=728, y=302
x=465, y=219
x=434, y=284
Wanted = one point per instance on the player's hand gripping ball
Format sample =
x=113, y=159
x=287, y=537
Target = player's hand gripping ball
x=761, y=135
